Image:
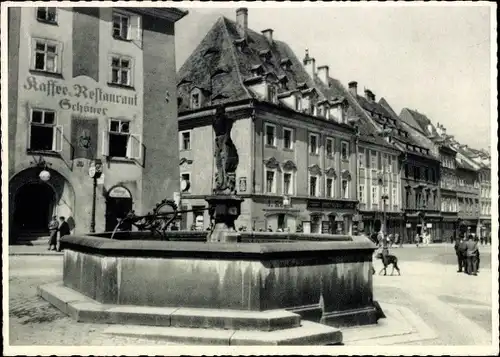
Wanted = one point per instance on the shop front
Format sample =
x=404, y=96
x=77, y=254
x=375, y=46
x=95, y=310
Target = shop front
x=331, y=216
x=449, y=227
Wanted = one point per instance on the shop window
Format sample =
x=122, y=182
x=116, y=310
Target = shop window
x=288, y=183
x=313, y=144
x=46, y=55
x=46, y=14
x=121, y=26
x=345, y=188
x=288, y=140
x=345, y=150
x=44, y=134
x=119, y=142
x=185, y=140
x=313, y=186
x=270, y=134
x=329, y=147
x=121, y=70
x=270, y=181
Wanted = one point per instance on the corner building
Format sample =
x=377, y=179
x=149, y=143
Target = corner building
x=90, y=84
x=297, y=161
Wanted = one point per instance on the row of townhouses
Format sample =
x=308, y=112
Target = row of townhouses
x=99, y=85
x=315, y=155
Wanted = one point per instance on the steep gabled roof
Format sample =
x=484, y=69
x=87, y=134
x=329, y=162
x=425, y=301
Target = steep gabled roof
x=223, y=47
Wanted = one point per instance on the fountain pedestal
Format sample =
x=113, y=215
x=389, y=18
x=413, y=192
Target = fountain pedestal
x=224, y=209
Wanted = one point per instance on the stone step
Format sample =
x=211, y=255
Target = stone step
x=84, y=309
x=308, y=333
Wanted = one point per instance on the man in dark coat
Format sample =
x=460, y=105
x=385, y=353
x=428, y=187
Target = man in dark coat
x=460, y=251
x=472, y=252
x=63, y=231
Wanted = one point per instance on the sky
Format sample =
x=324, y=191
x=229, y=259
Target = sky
x=435, y=59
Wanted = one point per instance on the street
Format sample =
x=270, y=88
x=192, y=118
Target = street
x=456, y=306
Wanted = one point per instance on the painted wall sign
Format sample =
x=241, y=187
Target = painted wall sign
x=84, y=133
x=119, y=192
x=330, y=204
x=79, y=97
x=243, y=184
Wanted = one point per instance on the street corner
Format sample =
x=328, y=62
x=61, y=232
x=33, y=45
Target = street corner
x=400, y=325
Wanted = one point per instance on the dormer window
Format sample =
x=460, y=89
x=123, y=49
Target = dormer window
x=257, y=70
x=265, y=55
x=286, y=64
x=195, y=100
x=283, y=82
x=298, y=103
x=271, y=93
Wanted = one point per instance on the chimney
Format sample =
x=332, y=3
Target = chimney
x=242, y=20
x=353, y=88
x=268, y=34
x=369, y=95
x=323, y=74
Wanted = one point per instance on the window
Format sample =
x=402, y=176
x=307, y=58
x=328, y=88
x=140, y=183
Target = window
x=270, y=181
x=121, y=68
x=298, y=103
x=345, y=150
x=121, y=26
x=288, y=138
x=394, y=196
x=270, y=135
x=313, y=186
x=375, y=196
x=46, y=14
x=329, y=147
x=44, y=134
x=119, y=142
x=187, y=178
x=46, y=55
x=389, y=164
x=426, y=174
x=287, y=183
x=373, y=160
x=313, y=144
x=407, y=170
x=329, y=187
x=195, y=100
x=416, y=173
x=408, y=196
x=185, y=140
x=271, y=93
x=345, y=188
x=361, y=158
x=361, y=194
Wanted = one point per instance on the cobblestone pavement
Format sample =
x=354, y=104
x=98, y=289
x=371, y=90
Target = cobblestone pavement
x=33, y=321
x=455, y=305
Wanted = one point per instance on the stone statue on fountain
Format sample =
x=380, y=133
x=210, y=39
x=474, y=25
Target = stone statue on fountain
x=224, y=204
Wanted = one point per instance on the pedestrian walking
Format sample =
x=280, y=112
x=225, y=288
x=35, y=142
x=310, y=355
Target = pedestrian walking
x=417, y=239
x=63, y=231
x=472, y=252
x=396, y=240
x=53, y=228
x=460, y=252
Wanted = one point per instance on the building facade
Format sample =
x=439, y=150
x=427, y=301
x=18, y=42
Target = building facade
x=297, y=152
x=89, y=84
x=448, y=185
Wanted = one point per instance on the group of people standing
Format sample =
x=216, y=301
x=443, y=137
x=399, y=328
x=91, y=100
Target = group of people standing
x=467, y=251
x=55, y=227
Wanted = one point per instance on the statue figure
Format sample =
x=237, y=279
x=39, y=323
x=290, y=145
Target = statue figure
x=226, y=156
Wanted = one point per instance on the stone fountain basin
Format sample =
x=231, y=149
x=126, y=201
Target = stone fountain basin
x=327, y=281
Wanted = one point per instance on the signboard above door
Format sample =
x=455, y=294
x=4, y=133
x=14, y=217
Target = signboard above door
x=119, y=192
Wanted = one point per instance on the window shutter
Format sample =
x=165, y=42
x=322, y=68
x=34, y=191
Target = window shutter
x=105, y=143
x=28, y=136
x=137, y=33
x=57, y=139
x=134, y=147
x=110, y=67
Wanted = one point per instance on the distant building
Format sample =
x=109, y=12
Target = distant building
x=421, y=177
x=297, y=152
x=85, y=84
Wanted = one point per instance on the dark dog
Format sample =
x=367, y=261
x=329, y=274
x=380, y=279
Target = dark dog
x=389, y=259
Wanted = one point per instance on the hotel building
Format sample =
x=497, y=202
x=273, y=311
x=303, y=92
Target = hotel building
x=90, y=84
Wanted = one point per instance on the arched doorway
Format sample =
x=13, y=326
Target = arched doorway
x=118, y=204
x=34, y=206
